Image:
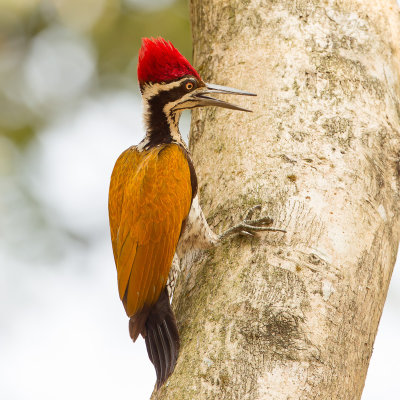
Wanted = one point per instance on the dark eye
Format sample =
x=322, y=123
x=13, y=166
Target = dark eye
x=189, y=85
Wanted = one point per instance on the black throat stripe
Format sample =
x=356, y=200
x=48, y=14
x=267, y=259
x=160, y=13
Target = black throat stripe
x=158, y=128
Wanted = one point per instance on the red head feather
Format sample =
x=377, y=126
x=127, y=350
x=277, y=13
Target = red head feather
x=160, y=61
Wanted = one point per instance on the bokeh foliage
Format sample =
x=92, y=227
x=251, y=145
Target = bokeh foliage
x=54, y=54
x=113, y=28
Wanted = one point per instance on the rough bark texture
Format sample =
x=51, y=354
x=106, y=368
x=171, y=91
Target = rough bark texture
x=292, y=316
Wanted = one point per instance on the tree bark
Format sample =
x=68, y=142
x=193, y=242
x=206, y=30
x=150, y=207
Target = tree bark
x=292, y=316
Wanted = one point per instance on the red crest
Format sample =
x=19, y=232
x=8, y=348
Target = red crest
x=160, y=61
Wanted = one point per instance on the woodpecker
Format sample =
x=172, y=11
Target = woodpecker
x=154, y=208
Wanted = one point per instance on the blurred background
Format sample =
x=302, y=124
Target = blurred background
x=69, y=104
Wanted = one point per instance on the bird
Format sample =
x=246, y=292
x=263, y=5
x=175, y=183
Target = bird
x=154, y=208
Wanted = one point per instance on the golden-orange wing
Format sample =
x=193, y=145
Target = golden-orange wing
x=150, y=196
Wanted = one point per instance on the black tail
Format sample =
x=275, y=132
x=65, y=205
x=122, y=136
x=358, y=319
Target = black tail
x=162, y=338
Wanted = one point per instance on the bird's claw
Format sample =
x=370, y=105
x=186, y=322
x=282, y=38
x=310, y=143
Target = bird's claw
x=249, y=227
x=260, y=221
x=246, y=233
x=250, y=212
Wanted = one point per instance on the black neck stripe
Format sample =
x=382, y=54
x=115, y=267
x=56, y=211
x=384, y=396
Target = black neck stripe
x=158, y=128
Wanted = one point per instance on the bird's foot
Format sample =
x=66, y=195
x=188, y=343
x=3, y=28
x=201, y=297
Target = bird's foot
x=249, y=226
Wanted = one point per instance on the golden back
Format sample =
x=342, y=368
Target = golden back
x=150, y=197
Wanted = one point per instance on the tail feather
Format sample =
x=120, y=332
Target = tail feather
x=166, y=353
x=152, y=351
x=137, y=324
x=173, y=347
x=162, y=338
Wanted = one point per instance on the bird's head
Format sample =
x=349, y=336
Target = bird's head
x=167, y=79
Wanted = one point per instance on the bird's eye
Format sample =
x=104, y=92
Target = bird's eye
x=189, y=85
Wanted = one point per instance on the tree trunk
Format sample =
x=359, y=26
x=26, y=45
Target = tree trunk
x=292, y=316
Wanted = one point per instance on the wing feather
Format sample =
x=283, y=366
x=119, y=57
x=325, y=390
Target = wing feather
x=158, y=269
x=117, y=189
x=125, y=262
x=150, y=197
x=136, y=288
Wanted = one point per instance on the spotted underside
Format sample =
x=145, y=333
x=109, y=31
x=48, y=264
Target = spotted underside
x=150, y=197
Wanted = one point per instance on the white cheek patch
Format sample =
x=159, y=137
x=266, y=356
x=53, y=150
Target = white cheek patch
x=153, y=89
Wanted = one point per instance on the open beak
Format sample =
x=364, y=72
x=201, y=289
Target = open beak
x=202, y=97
